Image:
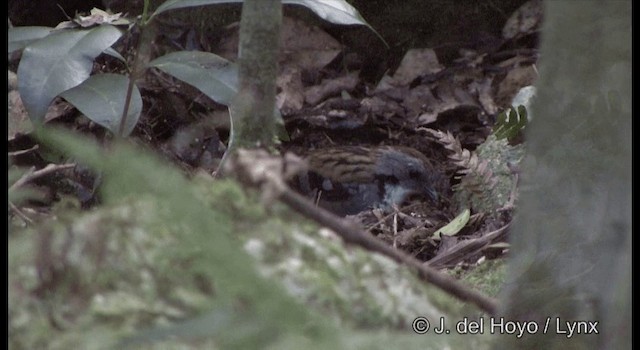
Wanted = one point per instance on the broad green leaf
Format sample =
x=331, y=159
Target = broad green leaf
x=20, y=37
x=213, y=75
x=115, y=54
x=453, y=227
x=334, y=11
x=59, y=62
x=178, y=4
x=102, y=97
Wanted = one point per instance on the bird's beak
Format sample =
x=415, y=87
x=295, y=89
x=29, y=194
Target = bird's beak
x=431, y=192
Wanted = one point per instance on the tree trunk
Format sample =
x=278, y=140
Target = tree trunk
x=252, y=111
x=572, y=241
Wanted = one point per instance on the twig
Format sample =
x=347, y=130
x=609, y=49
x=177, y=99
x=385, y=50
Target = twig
x=23, y=151
x=354, y=235
x=259, y=169
x=514, y=189
x=32, y=174
x=19, y=212
x=465, y=248
x=395, y=227
x=382, y=220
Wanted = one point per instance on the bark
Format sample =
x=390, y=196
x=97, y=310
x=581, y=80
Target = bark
x=252, y=111
x=571, y=246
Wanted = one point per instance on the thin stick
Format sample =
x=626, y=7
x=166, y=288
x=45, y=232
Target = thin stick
x=466, y=248
x=354, y=235
x=23, y=151
x=18, y=212
x=30, y=175
x=381, y=221
x=395, y=227
x=269, y=178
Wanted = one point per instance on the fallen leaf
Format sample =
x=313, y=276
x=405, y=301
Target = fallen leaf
x=329, y=87
x=416, y=62
x=291, y=96
x=302, y=46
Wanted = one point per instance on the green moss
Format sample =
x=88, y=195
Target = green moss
x=200, y=253
x=487, y=277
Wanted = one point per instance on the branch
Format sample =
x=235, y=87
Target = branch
x=32, y=175
x=354, y=235
x=259, y=169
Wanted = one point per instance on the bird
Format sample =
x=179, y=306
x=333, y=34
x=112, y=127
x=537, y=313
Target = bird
x=347, y=180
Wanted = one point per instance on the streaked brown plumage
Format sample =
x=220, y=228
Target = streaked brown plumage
x=350, y=179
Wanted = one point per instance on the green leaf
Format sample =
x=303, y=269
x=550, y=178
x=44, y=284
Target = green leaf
x=334, y=11
x=19, y=37
x=213, y=75
x=115, y=54
x=510, y=122
x=455, y=225
x=59, y=62
x=178, y=4
x=102, y=97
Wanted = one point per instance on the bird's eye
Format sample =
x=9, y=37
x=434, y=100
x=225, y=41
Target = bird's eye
x=391, y=180
x=414, y=174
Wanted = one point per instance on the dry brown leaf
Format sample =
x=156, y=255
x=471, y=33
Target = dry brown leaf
x=524, y=20
x=416, y=62
x=19, y=122
x=291, y=96
x=515, y=80
x=485, y=94
x=329, y=87
x=302, y=46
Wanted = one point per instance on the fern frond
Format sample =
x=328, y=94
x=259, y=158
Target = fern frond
x=485, y=180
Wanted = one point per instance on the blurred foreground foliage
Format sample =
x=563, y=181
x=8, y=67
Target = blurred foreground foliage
x=168, y=262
